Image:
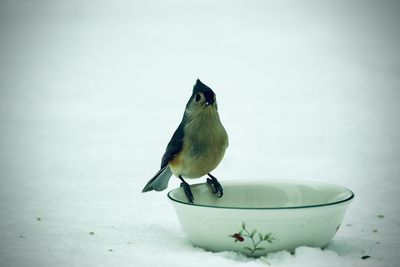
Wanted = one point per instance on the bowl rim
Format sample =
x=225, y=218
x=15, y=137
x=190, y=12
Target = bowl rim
x=348, y=199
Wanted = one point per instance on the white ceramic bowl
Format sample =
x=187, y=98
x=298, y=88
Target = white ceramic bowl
x=257, y=217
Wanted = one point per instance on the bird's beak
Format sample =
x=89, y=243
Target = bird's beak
x=210, y=100
x=209, y=103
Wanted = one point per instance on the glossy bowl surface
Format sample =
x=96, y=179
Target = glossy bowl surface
x=261, y=216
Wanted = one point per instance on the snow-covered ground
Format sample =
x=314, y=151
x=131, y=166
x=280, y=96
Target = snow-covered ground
x=91, y=92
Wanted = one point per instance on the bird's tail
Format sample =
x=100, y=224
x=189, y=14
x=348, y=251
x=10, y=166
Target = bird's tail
x=160, y=180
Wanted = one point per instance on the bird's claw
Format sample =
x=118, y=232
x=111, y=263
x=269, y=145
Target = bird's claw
x=188, y=192
x=215, y=185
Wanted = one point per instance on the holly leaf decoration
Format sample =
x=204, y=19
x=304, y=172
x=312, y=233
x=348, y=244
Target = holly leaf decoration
x=260, y=236
x=267, y=236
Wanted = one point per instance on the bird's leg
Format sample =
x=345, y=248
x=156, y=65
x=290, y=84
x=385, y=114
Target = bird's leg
x=216, y=186
x=187, y=190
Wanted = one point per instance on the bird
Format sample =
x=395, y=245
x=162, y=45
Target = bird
x=197, y=146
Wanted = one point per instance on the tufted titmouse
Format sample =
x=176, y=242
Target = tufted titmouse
x=197, y=146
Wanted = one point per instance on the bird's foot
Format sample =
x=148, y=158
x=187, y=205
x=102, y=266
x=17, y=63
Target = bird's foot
x=186, y=189
x=215, y=185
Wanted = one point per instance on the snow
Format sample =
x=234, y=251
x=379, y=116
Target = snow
x=90, y=93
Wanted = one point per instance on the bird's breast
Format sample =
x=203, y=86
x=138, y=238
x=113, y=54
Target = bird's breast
x=203, y=149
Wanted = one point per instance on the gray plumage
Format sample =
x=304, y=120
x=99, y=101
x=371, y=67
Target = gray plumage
x=160, y=180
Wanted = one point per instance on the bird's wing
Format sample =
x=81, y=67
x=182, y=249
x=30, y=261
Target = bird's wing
x=174, y=146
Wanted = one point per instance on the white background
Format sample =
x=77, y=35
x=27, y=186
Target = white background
x=91, y=92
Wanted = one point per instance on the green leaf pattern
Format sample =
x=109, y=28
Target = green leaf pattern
x=255, y=240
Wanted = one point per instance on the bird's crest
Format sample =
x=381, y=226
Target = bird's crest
x=200, y=87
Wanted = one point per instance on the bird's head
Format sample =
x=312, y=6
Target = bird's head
x=203, y=99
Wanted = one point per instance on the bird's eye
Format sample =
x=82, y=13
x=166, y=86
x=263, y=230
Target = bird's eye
x=198, y=97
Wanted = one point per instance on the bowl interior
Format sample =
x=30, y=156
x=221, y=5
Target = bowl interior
x=266, y=194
